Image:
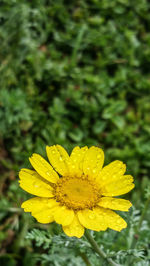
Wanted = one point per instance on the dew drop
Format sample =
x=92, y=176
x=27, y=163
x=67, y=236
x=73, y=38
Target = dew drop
x=35, y=184
x=92, y=216
x=118, y=221
x=98, y=156
x=77, y=227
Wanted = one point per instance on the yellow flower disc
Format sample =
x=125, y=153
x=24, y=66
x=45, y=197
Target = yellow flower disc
x=77, y=193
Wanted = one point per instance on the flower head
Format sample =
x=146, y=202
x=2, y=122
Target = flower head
x=79, y=193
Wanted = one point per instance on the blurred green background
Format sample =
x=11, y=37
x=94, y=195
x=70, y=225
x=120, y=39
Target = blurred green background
x=71, y=73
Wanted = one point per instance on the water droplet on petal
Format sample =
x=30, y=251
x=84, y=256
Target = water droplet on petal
x=98, y=156
x=35, y=184
x=77, y=227
x=92, y=216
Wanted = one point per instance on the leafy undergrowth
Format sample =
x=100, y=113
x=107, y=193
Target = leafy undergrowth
x=73, y=73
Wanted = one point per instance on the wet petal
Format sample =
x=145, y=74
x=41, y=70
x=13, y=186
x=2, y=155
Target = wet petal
x=41, y=208
x=59, y=159
x=113, y=220
x=43, y=168
x=77, y=157
x=92, y=219
x=118, y=186
x=63, y=215
x=33, y=183
x=93, y=162
x=110, y=172
x=45, y=216
x=74, y=229
x=114, y=203
x=34, y=204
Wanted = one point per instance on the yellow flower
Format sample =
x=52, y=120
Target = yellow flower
x=83, y=197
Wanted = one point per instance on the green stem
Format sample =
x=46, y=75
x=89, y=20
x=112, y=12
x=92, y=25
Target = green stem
x=85, y=259
x=133, y=243
x=143, y=213
x=100, y=252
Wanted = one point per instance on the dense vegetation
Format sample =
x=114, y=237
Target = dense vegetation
x=73, y=73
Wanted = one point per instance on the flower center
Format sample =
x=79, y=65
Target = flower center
x=76, y=193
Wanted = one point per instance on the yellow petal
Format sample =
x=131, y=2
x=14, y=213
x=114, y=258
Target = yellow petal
x=77, y=157
x=43, y=168
x=93, y=161
x=45, y=216
x=34, y=204
x=113, y=220
x=63, y=215
x=110, y=172
x=74, y=229
x=118, y=186
x=33, y=183
x=59, y=159
x=115, y=204
x=41, y=208
x=92, y=219
x=37, y=204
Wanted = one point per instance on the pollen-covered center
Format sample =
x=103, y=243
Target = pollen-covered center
x=76, y=193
